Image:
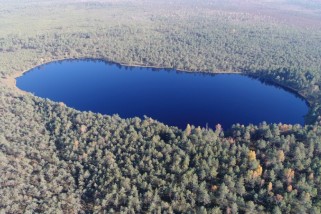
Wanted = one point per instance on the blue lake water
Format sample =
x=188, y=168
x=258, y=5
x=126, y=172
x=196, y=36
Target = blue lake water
x=174, y=98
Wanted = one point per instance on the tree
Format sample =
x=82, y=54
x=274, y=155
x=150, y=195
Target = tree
x=250, y=207
x=188, y=130
x=281, y=156
x=222, y=193
x=252, y=155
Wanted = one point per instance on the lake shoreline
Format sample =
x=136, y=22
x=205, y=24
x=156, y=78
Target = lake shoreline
x=10, y=80
x=200, y=80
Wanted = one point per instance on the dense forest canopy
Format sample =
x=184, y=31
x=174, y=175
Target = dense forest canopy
x=58, y=160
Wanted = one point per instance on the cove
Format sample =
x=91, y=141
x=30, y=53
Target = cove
x=169, y=96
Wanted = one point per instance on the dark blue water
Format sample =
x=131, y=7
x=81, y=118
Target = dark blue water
x=174, y=98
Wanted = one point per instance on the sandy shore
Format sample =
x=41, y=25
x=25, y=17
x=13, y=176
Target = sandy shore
x=11, y=82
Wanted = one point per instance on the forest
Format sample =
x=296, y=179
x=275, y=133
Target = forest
x=55, y=159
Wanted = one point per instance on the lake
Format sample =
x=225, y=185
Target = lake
x=169, y=96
